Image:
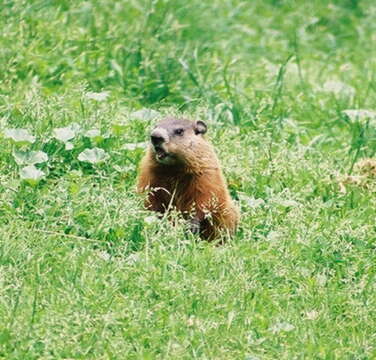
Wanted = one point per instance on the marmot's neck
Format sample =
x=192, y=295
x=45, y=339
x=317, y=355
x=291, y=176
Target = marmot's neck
x=182, y=170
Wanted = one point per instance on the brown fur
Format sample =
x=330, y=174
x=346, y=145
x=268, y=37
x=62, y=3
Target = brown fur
x=193, y=185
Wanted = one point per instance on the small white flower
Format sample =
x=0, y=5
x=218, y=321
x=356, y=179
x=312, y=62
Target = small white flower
x=251, y=201
x=144, y=114
x=321, y=279
x=69, y=146
x=338, y=88
x=288, y=203
x=312, y=315
x=151, y=219
x=134, y=146
x=273, y=236
x=104, y=255
x=92, y=133
x=98, y=96
x=282, y=326
x=361, y=115
x=133, y=258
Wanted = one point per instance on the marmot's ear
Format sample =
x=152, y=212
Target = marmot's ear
x=200, y=127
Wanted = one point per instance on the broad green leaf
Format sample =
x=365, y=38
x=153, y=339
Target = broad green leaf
x=93, y=156
x=98, y=96
x=31, y=174
x=5, y=336
x=145, y=114
x=64, y=134
x=19, y=135
x=118, y=129
x=30, y=157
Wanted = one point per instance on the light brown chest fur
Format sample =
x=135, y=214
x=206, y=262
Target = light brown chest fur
x=199, y=192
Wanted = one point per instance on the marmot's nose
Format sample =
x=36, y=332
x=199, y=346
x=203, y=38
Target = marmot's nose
x=157, y=137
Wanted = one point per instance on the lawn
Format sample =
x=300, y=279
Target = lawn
x=288, y=90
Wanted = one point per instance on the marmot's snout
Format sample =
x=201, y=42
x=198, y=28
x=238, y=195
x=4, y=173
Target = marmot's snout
x=158, y=136
x=159, y=139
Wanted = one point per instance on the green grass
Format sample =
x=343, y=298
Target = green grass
x=87, y=273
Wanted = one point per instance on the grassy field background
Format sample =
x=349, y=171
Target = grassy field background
x=87, y=273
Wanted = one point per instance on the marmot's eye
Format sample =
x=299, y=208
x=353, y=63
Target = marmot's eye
x=179, y=132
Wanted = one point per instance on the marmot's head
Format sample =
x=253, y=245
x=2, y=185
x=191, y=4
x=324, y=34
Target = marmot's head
x=174, y=140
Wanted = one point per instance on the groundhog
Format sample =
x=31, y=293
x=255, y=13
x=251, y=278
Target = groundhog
x=181, y=171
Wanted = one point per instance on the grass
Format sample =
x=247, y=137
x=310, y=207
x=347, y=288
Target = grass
x=87, y=273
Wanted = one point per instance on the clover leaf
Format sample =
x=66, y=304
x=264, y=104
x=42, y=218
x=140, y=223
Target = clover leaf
x=19, y=136
x=93, y=156
x=31, y=174
x=30, y=157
